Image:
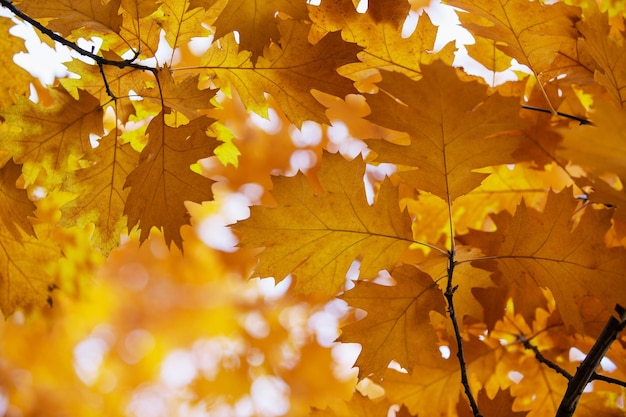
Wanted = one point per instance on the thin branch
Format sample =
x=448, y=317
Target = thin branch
x=587, y=369
x=56, y=37
x=449, y=294
x=598, y=377
x=543, y=359
x=581, y=120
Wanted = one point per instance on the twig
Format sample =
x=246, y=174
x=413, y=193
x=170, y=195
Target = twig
x=586, y=370
x=604, y=378
x=99, y=60
x=543, y=359
x=449, y=294
x=581, y=120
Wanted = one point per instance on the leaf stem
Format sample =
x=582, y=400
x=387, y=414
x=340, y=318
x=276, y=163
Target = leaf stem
x=449, y=294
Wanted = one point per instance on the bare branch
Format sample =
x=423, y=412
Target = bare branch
x=582, y=120
x=449, y=294
x=543, y=359
x=587, y=369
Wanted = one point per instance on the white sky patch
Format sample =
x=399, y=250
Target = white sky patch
x=270, y=125
x=608, y=365
x=88, y=357
x=445, y=352
x=178, y=369
x=575, y=355
x=309, y=135
x=256, y=325
x=4, y=403
x=515, y=376
x=302, y=160
x=270, y=396
x=341, y=141
x=325, y=326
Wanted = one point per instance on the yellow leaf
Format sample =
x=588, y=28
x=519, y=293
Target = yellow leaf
x=316, y=238
x=163, y=180
x=26, y=272
x=288, y=71
x=47, y=137
x=100, y=191
x=8, y=69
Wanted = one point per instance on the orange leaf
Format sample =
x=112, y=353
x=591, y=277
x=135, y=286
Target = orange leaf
x=163, y=180
x=570, y=263
x=460, y=129
x=15, y=207
x=397, y=326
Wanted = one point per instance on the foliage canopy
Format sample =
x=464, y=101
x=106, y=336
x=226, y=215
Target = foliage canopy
x=469, y=234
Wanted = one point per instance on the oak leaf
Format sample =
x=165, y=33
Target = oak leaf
x=460, y=129
x=163, y=180
x=288, y=71
x=397, y=326
x=27, y=267
x=184, y=97
x=384, y=46
x=20, y=79
x=531, y=32
x=255, y=21
x=500, y=405
x=543, y=246
x=67, y=16
x=15, y=207
x=101, y=195
x=49, y=136
x=317, y=237
x=608, y=51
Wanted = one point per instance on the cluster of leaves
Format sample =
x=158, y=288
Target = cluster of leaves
x=499, y=238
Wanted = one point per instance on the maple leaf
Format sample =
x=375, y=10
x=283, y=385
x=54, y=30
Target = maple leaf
x=101, y=194
x=570, y=263
x=397, y=326
x=256, y=22
x=184, y=97
x=288, y=71
x=163, y=180
x=531, y=32
x=316, y=238
x=20, y=79
x=49, y=136
x=461, y=129
x=26, y=271
x=15, y=207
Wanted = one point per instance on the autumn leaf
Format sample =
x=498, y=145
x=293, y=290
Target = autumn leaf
x=500, y=405
x=67, y=16
x=20, y=79
x=608, y=50
x=184, y=97
x=570, y=263
x=15, y=207
x=316, y=238
x=379, y=33
x=101, y=193
x=288, y=71
x=432, y=387
x=163, y=180
x=531, y=32
x=27, y=268
x=256, y=22
x=397, y=326
x=49, y=137
x=461, y=129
